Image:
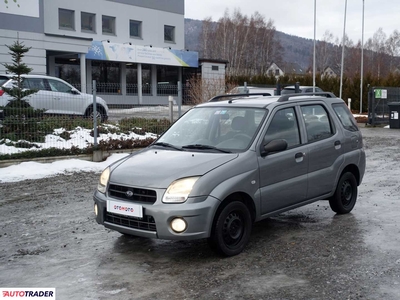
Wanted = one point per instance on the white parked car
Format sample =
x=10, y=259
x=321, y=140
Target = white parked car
x=55, y=96
x=252, y=89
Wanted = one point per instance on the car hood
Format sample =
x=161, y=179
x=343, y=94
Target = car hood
x=155, y=168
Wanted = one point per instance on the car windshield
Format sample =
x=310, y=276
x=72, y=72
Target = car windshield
x=214, y=129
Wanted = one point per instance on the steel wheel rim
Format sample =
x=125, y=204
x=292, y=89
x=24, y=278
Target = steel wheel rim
x=233, y=229
x=347, y=193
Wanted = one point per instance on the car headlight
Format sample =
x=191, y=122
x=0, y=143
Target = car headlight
x=104, y=177
x=179, y=190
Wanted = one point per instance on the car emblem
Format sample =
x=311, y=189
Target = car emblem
x=129, y=193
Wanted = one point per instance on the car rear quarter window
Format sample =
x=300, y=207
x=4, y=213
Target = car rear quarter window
x=345, y=116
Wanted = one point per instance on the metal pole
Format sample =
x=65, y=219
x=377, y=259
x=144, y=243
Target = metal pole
x=94, y=114
x=344, y=37
x=179, y=99
x=171, y=108
x=362, y=61
x=315, y=31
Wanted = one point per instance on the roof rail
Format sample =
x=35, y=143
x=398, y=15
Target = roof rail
x=285, y=98
x=217, y=98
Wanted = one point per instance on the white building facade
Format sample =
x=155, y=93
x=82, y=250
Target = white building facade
x=134, y=49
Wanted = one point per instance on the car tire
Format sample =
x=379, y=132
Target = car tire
x=231, y=229
x=344, y=199
x=100, y=113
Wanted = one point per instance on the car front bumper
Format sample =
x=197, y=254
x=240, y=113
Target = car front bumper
x=198, y=214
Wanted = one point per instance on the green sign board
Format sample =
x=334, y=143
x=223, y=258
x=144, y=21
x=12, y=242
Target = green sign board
x=380, y=94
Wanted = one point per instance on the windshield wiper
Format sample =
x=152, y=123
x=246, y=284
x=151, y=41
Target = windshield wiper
x=205, y=147
x=167, y=145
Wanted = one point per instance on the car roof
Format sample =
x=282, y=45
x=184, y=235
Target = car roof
x=259, y=101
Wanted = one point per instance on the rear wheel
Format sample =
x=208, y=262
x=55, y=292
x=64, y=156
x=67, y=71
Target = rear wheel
x=344, y=199
x=231, y=230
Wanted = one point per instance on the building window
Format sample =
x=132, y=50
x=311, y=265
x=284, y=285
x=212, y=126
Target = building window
x=131, y=79
x=69, y=70
x=66, y=19
x=108, y=25
x=88, y=22
x=107, y=76
x=146, y=79
x=277, y=73
x=167, y=80
x=169, y=33
x=214, y=68
x=135, y=28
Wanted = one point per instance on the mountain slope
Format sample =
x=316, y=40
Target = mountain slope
x=295, y=49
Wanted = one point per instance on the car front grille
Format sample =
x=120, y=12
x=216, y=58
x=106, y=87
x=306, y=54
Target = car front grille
x=147, y=223
x=132, y=194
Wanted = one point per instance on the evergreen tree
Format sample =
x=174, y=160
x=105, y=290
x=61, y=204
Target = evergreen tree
x=17, y=91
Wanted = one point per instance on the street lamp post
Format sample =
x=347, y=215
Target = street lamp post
x=315, y=30
x=362, y=61
x=344, y=37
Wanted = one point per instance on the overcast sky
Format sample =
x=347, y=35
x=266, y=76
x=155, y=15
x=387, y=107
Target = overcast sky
x=296, y=17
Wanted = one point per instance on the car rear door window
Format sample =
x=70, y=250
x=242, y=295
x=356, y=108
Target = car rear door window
x=35, y=84
x=317, y=121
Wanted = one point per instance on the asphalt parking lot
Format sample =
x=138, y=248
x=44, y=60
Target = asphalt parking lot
x=49, y=238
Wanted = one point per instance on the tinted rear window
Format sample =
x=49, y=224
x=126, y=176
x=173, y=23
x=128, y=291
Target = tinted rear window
x=3, y=79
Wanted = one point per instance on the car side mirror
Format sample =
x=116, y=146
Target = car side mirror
x=274, y=146
x=75, y=92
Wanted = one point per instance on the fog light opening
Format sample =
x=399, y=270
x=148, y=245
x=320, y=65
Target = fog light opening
x=178, y=225
x=96, y=210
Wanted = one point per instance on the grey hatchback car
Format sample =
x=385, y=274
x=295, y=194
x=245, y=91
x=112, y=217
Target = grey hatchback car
x=230, y=162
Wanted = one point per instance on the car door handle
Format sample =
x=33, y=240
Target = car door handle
x=337, y=143
x=56, y=98
x=299, y=155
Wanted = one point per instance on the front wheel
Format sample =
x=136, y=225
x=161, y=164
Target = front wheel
x=231, y=230
x=344, y=199
x=100, y=114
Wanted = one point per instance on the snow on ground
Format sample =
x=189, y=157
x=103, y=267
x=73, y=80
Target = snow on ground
x=80, y=137
x=34, y=170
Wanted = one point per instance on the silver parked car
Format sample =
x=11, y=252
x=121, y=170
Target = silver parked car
x=55, y=96
x=231, y=162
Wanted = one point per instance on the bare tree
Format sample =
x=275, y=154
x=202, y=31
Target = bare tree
x=393, y=48
x=249, y=44
x=377, y=47
x=206, y=36
x=324, y=49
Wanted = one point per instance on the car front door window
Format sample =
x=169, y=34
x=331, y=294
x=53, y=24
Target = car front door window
x=284, y=125
x=57, y=86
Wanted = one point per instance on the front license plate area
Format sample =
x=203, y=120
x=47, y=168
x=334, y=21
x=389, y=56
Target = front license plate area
x=125, y=208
